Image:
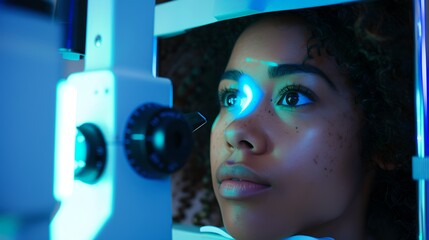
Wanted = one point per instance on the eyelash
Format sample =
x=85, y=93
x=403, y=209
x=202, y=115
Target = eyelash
x=307, y=96
x=225, y=92
x=300, y=89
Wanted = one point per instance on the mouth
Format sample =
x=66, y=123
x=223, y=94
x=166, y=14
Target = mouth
x=239, y=182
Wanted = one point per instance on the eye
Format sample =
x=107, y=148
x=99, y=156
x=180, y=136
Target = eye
x=295, y=96
x=228, y=97
x=241, y=97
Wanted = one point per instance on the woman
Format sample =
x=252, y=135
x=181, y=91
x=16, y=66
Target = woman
x=316, y=123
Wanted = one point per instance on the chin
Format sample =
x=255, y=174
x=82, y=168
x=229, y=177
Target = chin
x=256, y=234
x=253, y=231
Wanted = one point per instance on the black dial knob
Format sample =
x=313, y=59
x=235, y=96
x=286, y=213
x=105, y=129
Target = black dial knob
x=90, y=153
x=158, y=140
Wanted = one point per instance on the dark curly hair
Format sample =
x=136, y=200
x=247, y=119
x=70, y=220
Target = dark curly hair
x=373, y=43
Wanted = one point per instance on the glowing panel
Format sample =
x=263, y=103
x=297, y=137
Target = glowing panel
x=65, y=135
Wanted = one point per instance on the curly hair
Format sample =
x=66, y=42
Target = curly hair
x=373, y=44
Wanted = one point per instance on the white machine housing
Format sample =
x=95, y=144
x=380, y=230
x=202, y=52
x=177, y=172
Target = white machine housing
x=118, y=78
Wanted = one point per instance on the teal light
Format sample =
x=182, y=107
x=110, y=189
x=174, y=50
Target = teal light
x=137, y=137
x=250, y=95
x=80, y=152
x=65, y=135
x=248, y=99
x=159, y=140
x=268, y=63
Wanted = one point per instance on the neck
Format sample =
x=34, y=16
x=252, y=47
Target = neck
x=351, y=224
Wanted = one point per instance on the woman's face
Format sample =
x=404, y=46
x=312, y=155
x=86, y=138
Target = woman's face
x=286, y=162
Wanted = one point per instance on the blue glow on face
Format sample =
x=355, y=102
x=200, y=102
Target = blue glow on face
x=268, y=63
x=249, y=96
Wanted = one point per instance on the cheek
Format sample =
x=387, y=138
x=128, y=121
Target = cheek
x=217, y=140
x=336, y=151
x=343, y=138
x=337, y=164
x=321, y=161
x=342, y=164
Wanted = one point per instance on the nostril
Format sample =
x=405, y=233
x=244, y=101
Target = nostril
x=229, y=145
x=246, y=144
x=244, y=139
x=243, y=144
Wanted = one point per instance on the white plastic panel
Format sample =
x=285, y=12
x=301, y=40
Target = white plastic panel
x=178, y=16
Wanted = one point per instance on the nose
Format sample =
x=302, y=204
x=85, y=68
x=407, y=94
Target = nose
x=245, y=135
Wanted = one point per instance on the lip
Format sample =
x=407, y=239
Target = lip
x=239, y=182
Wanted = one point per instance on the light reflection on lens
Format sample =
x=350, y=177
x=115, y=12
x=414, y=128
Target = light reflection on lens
x=80, y=153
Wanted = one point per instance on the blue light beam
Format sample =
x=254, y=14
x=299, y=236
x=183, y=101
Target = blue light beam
x=249, y=96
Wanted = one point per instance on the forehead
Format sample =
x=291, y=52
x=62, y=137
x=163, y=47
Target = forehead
x=283, y=40
x=279, y=39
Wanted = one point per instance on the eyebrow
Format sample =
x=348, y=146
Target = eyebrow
x=232, y=75
x=289, y=69
x=283, y=70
